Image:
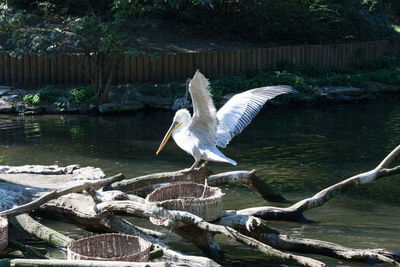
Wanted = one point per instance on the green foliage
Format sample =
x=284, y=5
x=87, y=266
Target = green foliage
x=80, y=95
x=49, y=94
x=388, y=76
x=32, y=99
x=311, y=21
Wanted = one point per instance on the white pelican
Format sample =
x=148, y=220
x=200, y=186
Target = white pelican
x=201, y=134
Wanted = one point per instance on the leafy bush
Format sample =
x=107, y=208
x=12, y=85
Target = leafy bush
x=81, y=95
x=389, y=76
x=32, y=99
x=49, y=94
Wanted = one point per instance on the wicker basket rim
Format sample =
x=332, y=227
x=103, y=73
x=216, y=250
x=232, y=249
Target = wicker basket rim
x=146, y=244
x=217, y=193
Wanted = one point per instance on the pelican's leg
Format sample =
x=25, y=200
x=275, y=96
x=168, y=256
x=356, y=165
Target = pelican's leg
x=196, y=162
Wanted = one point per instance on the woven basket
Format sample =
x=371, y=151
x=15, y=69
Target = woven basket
x=187, y=197
x=3, y=232
x=110, y=247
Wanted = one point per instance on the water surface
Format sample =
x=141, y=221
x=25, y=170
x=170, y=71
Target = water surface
x=297, y=150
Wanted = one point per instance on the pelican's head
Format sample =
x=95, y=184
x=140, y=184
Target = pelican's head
x=181, y=119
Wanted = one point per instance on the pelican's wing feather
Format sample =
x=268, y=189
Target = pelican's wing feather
x=204, y=120
x=238, y=112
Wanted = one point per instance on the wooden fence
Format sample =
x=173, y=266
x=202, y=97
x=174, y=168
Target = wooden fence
x=67, y=68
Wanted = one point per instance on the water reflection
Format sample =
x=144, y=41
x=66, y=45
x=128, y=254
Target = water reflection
x=297, y=150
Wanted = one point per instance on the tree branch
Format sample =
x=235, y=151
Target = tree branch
x=295, y=212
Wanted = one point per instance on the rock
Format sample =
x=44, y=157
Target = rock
x=155, y=101
x=5, y=106
x=118, y=107
x=88, y=173
x=339, y=90
x=4, y=91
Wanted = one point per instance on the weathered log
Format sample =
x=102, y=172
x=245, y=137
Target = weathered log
x=58, y=193
x=144, y=210
x=295, y=212
x=247, y=178
x=78, y=263
x=42, y=232
x=130, y=185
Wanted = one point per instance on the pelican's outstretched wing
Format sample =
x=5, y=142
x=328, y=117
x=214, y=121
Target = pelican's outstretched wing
x=238, y=112
x=204, y=120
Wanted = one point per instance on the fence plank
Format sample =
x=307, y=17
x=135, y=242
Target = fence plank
x=133, y=69
x=60, y=70
x=74, y=69
x=139, y=68
x=156, y=69
x=2, y=67
x=209, y=65
x=237, y=62
x=243, y=60
x=13, y=69
x=257, y=53
x=171, y=66
x=202, y=61
x=226, y=62
x=184, y=71
x=146, y=68
x=40, y=67
x=127, y=68
x=27, y=69
x=67, y=68
x=165, y=65
x=7, y=69
x=189, y=65
x=178, y=66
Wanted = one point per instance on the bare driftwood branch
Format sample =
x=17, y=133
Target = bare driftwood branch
x=248, y=178
x=57, y=193
x=313, y=246
x=144, y=210
x=257, y=228
x=295, y=212
x=144, y=185
x=130, y=185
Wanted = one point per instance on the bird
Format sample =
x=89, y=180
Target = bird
x=200, y=135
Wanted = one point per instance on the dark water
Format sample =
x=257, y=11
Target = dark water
x=297, y=150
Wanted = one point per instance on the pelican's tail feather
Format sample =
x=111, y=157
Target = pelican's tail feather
x=216, y=155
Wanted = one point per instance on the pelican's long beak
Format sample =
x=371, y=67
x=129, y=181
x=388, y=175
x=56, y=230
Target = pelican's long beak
x=168, y=135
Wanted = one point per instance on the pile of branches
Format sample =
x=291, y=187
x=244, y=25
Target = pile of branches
x=97, y=206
